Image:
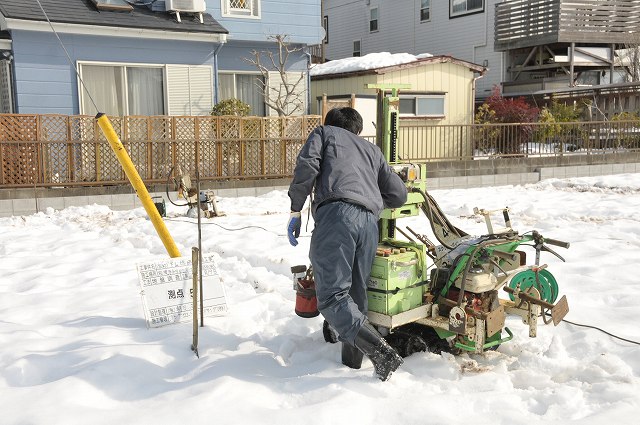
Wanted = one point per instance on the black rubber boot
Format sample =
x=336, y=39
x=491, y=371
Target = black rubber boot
x=384, y=358
x=351, y=356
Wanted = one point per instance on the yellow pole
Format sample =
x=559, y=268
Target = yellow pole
x=138, y=185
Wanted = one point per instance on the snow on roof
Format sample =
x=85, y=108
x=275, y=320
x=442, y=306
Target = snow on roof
x=370, y=61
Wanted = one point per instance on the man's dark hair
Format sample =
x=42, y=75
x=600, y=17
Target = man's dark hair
x=346, y=117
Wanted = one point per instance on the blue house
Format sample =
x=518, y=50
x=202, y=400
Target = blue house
x=144, y=57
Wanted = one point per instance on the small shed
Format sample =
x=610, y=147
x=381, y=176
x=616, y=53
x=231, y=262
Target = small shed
x=442, y=88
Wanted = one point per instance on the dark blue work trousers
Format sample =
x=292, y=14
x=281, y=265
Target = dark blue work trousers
x=343, y=246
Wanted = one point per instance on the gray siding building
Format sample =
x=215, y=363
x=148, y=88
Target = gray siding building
x=461, y=29
x=530, y=47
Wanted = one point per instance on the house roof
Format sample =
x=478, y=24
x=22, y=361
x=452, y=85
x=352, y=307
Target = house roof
x=405, y=62
x=84, y=12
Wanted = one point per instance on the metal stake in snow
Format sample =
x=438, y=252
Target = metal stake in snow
x=138, y=185
x=195, y=257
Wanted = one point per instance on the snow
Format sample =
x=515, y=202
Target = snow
x=370, y=61
x=75, y=349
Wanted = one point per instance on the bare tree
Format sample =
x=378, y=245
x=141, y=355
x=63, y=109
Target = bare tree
x=629, y=57
x=284, y=95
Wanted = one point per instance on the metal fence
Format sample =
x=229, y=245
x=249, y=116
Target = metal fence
x=60, y=150
x=425, y=143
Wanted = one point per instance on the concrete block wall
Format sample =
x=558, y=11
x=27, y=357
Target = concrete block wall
x=17, y=202
x=506, y=179
x=23, y=201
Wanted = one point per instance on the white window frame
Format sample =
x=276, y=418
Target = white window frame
x=377, y=19
x=325, y=25
x=416, y=97
x=466, y=10
x=6, y=87
x=187, y=92
x=252, y=12
x=191, y=84
x=235, y=85
x=359, y=51
x=125, y=65
x=427, y=8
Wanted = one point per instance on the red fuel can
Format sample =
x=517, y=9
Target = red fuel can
x=305, y=287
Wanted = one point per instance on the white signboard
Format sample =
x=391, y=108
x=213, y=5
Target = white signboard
x=167, y=290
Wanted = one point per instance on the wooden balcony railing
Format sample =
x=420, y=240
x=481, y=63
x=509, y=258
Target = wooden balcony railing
x=527, y=23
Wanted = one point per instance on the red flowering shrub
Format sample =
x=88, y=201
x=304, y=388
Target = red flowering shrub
x=500, y=110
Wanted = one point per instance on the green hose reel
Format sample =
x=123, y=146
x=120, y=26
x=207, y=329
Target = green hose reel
x=545, y=283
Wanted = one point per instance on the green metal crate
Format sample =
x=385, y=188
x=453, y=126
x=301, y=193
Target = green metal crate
x=396, y=284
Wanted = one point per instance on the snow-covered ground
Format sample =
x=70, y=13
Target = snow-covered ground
x=75, y=349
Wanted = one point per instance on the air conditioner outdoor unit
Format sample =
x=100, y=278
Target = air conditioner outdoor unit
x=191, y=6
x=187, y=6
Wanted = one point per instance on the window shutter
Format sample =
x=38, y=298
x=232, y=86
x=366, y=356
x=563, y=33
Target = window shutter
x=201, y=89
x=189, y=89
x=177, y=92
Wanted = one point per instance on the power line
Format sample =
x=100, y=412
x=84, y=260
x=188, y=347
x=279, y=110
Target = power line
x=598, y=329
x=233, y=230
x=68, y=56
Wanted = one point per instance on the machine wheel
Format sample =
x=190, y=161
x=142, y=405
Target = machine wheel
x=413, y=344
x=414, y=338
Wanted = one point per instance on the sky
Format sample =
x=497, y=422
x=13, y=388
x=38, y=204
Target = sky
x=75, y=347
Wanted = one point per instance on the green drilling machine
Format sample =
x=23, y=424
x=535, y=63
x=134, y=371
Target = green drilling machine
x=444, y=296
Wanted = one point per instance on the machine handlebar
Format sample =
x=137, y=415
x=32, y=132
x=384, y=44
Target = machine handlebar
x=556, y=242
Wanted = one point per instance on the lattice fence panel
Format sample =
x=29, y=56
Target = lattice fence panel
x=58, y=150
x=54, y=133
x=231, y=165
x=231, y=149
x=209, y=157
x=18, y=149
x=273, y=146
x=108, y=166
x=291, y=150
x=161, y=146
x=310, y=122
x=138, y=139
x=272, y=152
x=82, y=158
x=293, y=127
x=273, y=127
x=184, y=144
x=252, y=146
x=230, y=128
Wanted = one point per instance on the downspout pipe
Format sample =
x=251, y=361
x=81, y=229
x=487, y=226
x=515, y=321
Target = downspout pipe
x=473, y=94
x=216, y=94
x=306, y=52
